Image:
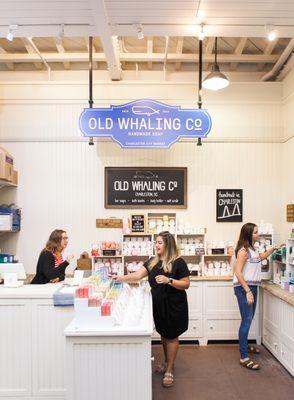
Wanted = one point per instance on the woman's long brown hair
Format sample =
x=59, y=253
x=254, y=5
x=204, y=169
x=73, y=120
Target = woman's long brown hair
x=170, y=252
x=245, y=238
x=54, y=242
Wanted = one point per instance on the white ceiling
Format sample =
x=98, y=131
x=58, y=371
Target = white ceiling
x=170, y=28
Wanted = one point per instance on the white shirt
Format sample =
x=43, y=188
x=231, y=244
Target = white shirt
x=251, y=270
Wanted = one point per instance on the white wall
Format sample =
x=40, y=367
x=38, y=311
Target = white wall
x=61, y=177
x=288, y=149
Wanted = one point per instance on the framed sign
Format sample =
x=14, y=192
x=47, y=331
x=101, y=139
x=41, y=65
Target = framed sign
x=145, y=187
x=229, y=205
x=138, y=223
x=290, y=212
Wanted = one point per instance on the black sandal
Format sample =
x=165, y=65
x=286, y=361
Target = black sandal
x=250, y=364
x=253, y=350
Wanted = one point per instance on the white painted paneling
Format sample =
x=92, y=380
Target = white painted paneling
x=244, y=111
x=287, y=324
x=220, y=299
x=61, y=183
x=271, y=312
x=288, y=149
x=195, y=301
x=44, y=12
x=91, y=359
x=15, y=344
x=49, y=323
x=214, y=12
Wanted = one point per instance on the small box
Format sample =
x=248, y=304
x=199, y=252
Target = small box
x=10, y=220
x=6, y=165
x=15, y=177
x=84, y=262
x=218, y=251
x=6, y=258
x=109, y=252
x=5, y=222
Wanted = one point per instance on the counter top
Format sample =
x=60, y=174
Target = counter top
x=211, y=278
x=30, y=291
x=46, y=291
x=277, y=291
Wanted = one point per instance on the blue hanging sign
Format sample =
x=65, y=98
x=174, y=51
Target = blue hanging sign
x=145, y=124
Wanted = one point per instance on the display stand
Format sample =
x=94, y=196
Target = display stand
x=110, y=363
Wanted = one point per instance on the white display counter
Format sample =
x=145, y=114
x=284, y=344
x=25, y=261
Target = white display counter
x=278, y=324
x=32, y=343
x=110, y=363
x=37, y=359
x=106, y=364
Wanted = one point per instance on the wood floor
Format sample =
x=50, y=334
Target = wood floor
x=212, y=373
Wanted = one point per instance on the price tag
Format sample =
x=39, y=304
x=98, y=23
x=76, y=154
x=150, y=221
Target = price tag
x=138, y=223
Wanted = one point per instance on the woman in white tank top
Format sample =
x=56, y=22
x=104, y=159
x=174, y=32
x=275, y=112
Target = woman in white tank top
x=247, y=278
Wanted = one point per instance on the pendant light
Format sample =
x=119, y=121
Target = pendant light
x=215, y=80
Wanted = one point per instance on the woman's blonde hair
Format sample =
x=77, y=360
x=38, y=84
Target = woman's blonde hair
x=170, y=252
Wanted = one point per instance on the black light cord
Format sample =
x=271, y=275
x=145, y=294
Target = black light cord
x=91, y=102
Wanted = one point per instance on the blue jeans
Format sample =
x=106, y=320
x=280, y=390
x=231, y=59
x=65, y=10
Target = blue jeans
x=247, y=313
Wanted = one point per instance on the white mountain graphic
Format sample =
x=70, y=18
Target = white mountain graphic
x=235, y=212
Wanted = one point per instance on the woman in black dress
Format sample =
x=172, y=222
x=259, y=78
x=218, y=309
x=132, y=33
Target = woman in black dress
x=168, y=276
x=51, y=264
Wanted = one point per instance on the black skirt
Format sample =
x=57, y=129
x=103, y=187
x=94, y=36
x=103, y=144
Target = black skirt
x=170, y=306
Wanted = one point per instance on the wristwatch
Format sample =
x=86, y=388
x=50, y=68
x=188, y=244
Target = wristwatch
x=170, y=281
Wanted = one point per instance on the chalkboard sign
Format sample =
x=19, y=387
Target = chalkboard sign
x=229, y=205
x=145, y=187
x=137, y=223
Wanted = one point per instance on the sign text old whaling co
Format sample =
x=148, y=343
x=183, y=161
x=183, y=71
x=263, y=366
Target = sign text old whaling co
x=145, y=124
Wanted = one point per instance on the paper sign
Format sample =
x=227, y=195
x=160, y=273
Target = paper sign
x=78, y=277
x=10, y=279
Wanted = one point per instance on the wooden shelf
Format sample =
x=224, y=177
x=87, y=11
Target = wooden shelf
x=4, y=183
x=217, y=256
x=217, y=277
x=137, y=257
x=191, y=255
x=120, y=256
x=137, y=234
x=190, y=234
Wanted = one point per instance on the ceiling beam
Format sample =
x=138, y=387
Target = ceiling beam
x=109, y=41
x=61, y=49
x=9, y=65
x=271, y=75
x=31, y=50
x=139, y=57
x=149, y=50
x=287, y=68
x=268, y=50
x=180, y=45
x=211, y=30
x=208, y=51
x=238, y=51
